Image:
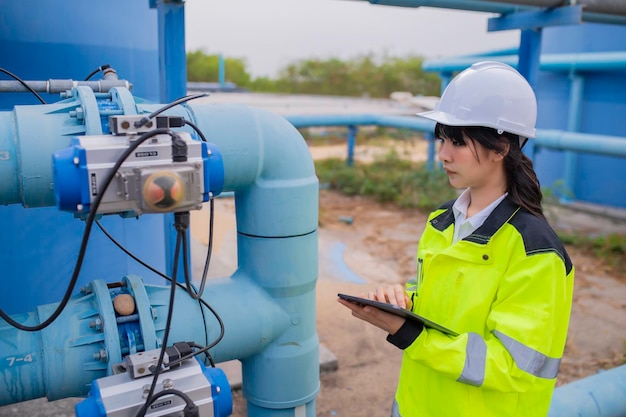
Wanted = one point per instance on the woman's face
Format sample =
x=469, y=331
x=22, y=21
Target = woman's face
x=469, y=164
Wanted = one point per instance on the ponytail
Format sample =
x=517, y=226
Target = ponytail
x=522, y=182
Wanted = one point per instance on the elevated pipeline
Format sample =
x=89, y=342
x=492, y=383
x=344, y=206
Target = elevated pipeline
x=596, y=11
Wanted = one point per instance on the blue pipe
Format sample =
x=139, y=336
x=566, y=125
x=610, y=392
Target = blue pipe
x=582, y=142
x=268, y=305
x=589, y=61
x=599, y=395
x=553, y=139
x=402, y=122
x=63, y=359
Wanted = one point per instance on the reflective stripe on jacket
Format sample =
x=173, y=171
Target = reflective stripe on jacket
x=507, y=290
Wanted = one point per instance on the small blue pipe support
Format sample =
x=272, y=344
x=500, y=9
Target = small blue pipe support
x=267, y=305
x=352, y=131
x=221, y=73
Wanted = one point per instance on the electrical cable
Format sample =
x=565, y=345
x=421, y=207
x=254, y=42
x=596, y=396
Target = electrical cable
x=197, y=129
x=97, y=70
x=168, y=324
x=190, y=410
x=144, y=120
x=28, y=87
x=86, y=233
x=162, y=275
x=206, y=266
x=197, y=294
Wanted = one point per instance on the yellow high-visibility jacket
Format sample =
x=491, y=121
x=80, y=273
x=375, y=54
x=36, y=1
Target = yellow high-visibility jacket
x=507, y=290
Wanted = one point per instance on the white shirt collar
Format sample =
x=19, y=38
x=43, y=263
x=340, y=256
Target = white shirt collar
x=460, y=215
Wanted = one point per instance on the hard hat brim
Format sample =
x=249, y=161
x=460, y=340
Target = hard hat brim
x=450, y=120
x=444, y=118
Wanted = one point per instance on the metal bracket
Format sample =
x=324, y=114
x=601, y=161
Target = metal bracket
x=559, y=16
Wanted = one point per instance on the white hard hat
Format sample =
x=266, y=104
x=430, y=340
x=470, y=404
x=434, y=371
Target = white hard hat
x=489, y=94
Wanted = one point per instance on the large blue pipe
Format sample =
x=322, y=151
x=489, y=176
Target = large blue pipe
x=267, y=305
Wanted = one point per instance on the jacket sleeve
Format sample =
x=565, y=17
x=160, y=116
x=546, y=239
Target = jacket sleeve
x=524, y=336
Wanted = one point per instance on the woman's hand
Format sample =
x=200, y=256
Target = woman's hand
x=393, y=294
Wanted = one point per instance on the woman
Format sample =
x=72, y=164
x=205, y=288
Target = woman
x=490, y=268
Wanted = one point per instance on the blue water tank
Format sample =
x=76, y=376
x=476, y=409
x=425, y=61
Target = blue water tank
x=598, y=179
x=61, y=39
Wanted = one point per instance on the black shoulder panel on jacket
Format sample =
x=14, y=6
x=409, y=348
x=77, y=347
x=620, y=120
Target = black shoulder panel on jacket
x=539, y=237
x=445, y=219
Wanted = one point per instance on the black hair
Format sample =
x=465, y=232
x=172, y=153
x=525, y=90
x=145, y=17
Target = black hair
x=521, y=180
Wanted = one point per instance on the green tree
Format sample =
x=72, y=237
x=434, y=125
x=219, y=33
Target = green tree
x=365, y=75
x=203, y=67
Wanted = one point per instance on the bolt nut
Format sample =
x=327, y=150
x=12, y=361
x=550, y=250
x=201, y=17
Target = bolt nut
x=146, y=391
x=96, y=324
x=103, y=355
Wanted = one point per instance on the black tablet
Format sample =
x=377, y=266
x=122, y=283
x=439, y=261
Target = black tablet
x=398, y=311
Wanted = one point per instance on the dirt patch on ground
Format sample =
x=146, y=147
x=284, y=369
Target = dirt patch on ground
x=414, y=150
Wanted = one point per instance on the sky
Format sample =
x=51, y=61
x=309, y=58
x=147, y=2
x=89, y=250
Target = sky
x=270, y=34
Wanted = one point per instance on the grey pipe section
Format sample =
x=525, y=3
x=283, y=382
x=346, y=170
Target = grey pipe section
x=60, y=86
x=611, y=7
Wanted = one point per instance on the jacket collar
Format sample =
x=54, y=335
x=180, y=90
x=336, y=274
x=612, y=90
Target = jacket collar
x=498, y=217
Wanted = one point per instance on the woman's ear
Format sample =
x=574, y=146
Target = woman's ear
x=500, y=155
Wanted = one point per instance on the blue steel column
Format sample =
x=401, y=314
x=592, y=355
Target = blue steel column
x=528, y=66
x=531, y=25
x=573, y=125
x=172, y=56
x=172, y=85
x=352, y=130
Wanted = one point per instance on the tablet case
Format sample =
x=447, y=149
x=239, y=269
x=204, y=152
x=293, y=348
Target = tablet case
x=398, y=311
